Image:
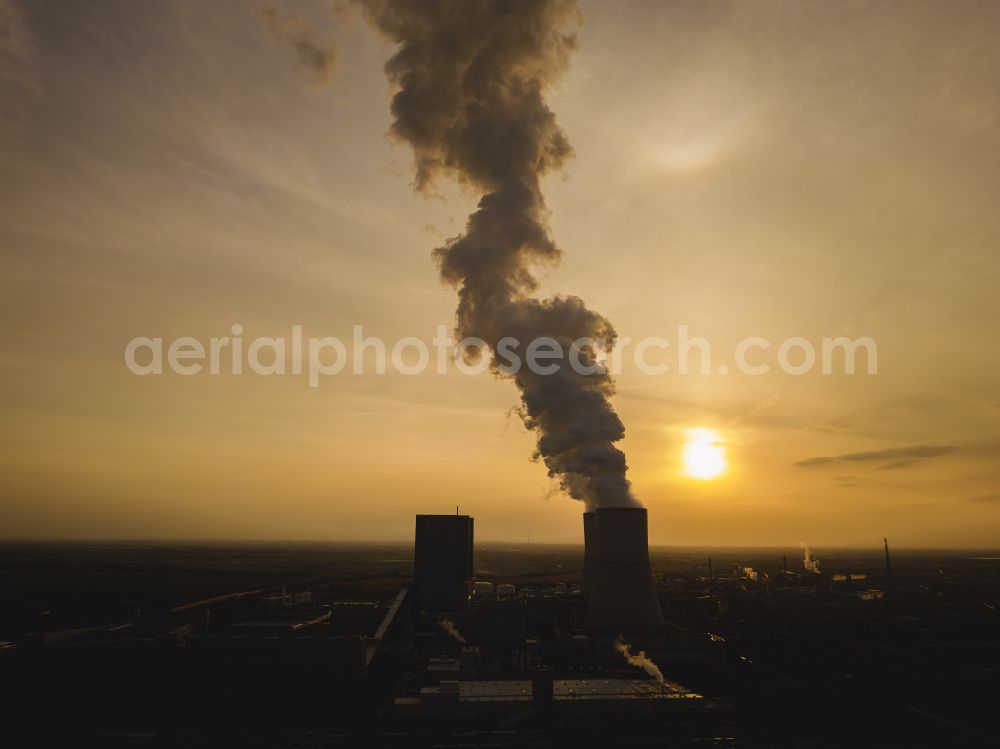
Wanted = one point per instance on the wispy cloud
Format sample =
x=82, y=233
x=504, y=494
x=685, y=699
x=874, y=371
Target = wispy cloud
x=316, y=61
x=898, y=464
x=901, y=457
x=985, y=498
x=18, y=46
x=20, y=77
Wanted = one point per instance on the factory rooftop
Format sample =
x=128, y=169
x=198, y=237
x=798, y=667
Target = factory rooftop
x=574, y=689
x=517, y=699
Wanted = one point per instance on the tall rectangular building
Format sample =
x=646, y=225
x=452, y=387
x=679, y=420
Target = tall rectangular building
x=442, y=562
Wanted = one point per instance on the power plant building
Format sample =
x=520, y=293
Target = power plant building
x=443, y=562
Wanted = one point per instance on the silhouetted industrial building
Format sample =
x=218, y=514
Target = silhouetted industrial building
x=442, y=561
x=589, y=552
x=502, y=624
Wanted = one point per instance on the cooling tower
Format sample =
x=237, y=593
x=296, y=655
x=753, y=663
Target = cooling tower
x=622, y=599
x=589, y=553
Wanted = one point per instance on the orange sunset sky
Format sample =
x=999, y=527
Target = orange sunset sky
x=781, y=169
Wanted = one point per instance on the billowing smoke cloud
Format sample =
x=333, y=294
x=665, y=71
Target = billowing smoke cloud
x=471, y=77
x=317, y=62
x=641, y=660
x=810, y=562
x=448, y=627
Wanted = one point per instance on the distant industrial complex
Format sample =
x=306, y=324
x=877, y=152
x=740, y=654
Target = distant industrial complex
x=448, y=653
x=517, y=653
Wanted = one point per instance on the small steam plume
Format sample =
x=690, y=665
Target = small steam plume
x=470, y=79
x=448, y=627
x=641, y=660
x=871, y=595
x=810, y=562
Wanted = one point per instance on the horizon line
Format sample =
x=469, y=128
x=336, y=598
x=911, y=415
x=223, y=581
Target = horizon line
x=396, y=542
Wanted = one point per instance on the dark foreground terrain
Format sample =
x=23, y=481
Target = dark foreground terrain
x=322, y=645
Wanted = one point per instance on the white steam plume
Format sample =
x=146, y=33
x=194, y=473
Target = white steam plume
x=448, y=627
x=641, y=660
x=810, y=562
x=470, y=78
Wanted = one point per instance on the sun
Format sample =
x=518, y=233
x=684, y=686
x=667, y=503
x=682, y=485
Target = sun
x=704, y=455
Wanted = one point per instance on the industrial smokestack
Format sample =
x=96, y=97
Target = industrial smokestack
x=589, y=552
x=542, y=690
x=623, y=599
x=888, y=564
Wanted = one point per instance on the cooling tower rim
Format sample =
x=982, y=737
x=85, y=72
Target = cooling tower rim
x=619, y=509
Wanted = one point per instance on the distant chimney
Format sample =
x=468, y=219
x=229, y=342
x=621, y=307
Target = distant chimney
x=589, y=552
x=542, y=690
x=888, y=564
x=623, y=599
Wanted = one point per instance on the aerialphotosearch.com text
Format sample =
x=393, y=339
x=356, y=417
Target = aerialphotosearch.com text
x=328, y=356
